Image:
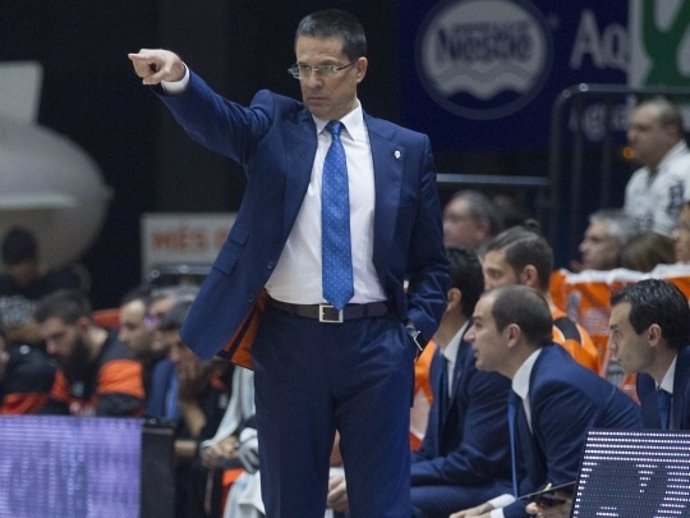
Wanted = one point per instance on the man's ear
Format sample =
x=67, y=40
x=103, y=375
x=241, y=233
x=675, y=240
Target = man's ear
x=529, y=276
x=454, y=299
x=83, y=325
x=361, y=66
x=654, y=335
x=513, y=334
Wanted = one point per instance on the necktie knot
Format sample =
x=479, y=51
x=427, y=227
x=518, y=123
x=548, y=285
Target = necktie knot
x=334, y=128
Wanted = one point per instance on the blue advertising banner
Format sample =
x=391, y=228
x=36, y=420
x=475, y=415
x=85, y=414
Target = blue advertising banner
x=484, y=74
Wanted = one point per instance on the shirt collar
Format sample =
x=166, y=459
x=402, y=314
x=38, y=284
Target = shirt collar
x=669, y=378
x=450, y=351
x=680, y=148
x=520, y=382
x=353, y=123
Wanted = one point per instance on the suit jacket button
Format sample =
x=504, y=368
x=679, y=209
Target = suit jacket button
x=270, y=265
x=251, y=300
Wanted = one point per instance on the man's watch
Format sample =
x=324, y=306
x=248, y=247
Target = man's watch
x=418, y=338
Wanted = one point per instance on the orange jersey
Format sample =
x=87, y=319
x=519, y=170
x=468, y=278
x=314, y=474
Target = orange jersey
x=574, y=339
x=114, y=386
x=423, y=395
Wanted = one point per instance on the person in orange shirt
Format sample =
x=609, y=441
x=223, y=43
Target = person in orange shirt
x=96, y=372
x=520, y=255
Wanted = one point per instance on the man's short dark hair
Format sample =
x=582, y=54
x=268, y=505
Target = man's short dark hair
x=334, y=23
x=174, y=318
x=466, y=275
x=179, y=292
x=19, y=245
x=654, y=301
x=523, y=245
x=482, y=209
x=141, y=292
x=667, y=113
x=66, y=305
x=526, y=307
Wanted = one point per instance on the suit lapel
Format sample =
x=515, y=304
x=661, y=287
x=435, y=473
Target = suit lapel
x=300, y=141
x=459, y=367
x=449, y=417
x=388, y=160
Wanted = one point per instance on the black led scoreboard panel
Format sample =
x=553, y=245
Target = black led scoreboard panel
x=628, y=474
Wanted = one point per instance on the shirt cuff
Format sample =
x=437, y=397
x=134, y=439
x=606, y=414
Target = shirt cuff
x=501, y=501
x=497, y=513
x=177, y=87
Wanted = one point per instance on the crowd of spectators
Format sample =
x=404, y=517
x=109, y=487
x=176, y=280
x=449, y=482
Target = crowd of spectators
x=507, y=340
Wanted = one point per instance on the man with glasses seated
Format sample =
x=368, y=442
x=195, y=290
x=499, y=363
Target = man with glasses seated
x=141, y=312
x=339, y=211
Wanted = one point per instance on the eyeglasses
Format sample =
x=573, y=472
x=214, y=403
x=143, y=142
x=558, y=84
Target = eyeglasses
x=299, y=71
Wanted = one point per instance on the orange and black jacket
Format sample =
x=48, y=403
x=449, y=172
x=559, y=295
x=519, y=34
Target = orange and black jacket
x=27, y=382
x=111, y=386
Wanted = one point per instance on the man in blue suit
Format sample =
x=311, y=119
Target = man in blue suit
x=650, y=331
x=464, y=458
x=555, y=400
x=334, y=331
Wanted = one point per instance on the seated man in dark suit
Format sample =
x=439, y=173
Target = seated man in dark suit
x=650, y=331
x=554, y=400
x=465, y=458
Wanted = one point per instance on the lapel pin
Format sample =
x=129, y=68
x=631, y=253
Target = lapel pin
x=396, y=154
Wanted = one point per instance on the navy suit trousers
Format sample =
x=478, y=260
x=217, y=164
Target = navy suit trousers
x=312, y=378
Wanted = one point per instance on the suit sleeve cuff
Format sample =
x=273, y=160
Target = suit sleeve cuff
x=177, y=87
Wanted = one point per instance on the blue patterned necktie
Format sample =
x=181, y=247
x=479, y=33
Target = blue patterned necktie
x=513, y=402
x=664, y=402
x=336, y=256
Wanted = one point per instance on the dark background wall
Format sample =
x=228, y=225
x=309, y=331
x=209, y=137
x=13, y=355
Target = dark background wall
x=91, y=95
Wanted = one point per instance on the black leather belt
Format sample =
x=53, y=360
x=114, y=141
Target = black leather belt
x=328, y=314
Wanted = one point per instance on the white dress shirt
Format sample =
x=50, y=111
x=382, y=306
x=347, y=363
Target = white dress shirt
x=297, y=276
x=669, y=378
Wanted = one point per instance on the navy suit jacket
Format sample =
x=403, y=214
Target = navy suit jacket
x=469, y=444
x=566, y=400
x=680, y=413
x=275, y=140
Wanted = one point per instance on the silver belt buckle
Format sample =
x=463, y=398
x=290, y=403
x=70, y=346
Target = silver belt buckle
x=325, y=319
